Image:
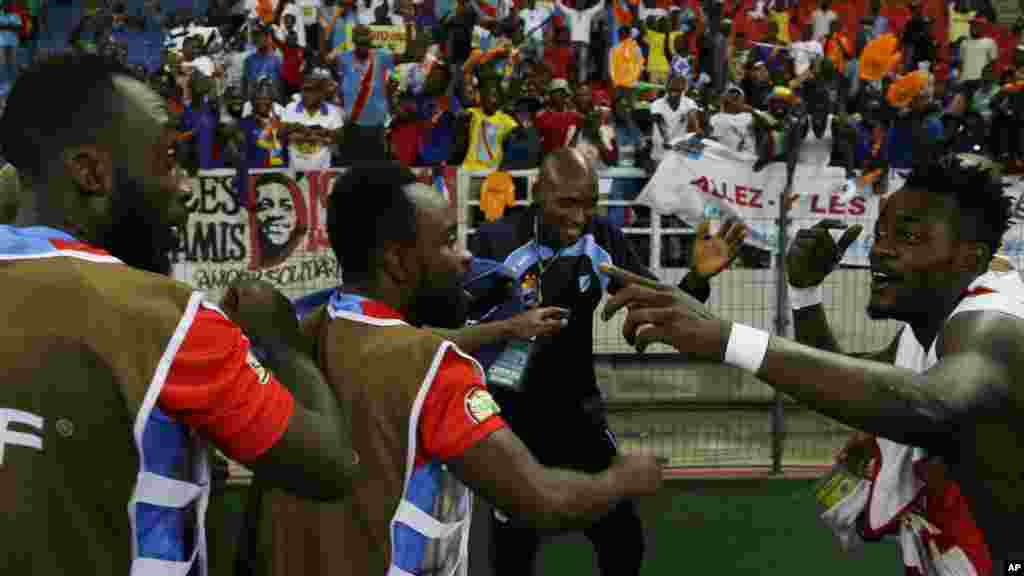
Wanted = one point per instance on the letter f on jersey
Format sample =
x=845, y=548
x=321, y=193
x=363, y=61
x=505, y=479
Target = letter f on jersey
x=10, y=437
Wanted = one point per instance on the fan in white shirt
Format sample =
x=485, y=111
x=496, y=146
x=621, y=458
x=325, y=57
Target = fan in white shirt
x=822, y=20
x=535, y=21
x=291, y=19
x=733, y=127
x=580, y=20
x=312, y=125
x=673, y=115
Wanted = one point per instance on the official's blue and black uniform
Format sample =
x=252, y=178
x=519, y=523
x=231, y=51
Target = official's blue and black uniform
x=559, y=413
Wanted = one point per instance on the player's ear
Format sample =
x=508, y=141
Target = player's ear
x=89, y=168
x=974, y=257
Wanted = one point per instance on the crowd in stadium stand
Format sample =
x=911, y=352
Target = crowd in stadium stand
x=495, y=84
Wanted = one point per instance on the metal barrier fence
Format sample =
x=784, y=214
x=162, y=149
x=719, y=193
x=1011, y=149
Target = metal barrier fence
x=699, y=415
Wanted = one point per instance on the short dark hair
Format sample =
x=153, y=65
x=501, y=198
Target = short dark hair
x=974, y=182
x=368, y=208
x=63, y=101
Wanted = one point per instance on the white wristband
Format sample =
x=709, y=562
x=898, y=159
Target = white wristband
x=747, y=347
x=805, y=297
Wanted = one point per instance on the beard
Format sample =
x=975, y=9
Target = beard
x=440, y=306
x=137, y=235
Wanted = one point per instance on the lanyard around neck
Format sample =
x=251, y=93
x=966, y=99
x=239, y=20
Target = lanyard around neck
x=542, y=264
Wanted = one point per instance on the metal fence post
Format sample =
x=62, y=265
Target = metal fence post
x=781, y=324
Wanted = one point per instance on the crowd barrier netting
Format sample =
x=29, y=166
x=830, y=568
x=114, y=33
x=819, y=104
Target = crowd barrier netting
x=688, y=414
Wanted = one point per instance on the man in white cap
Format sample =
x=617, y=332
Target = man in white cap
x=734, y=125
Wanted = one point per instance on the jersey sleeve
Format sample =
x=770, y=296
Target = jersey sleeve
x=217, y=387
x=458, y=411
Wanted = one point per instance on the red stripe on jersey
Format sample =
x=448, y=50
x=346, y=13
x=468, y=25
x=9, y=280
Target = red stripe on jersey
x=376, y=309
x=77, y=246
x=979, y=291
x=217, y=387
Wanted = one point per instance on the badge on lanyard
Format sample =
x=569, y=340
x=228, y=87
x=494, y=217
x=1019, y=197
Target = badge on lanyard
x=510, y=368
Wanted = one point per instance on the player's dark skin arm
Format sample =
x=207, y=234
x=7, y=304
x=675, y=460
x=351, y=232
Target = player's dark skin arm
x=472, y=338
x=978, y=355
x=812, y=329
x=546, y=498
x=979, y=352
x=318, y=440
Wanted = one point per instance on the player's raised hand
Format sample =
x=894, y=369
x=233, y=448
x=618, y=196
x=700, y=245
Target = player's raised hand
x=813, y=254
x=713, y=253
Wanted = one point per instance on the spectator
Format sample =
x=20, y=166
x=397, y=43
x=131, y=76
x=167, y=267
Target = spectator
x=1008, y=124
x=962, y=130
x=536, y=20
x=559, y=56
x=200, y=123
x=309, y=20
x=365, y=11
x=523, y=149
x=287, y=19
x=488, y=128
x=772, y=49
x=839, y=52
x=733, y=127
x=627, y=144
x=960, y=17
x=656, y=36
x=620, y=13
x=917, y=127
x=557, y=124
x=976, y=52
x=293, y=61
x=236, y=53
x=311, y=125
x=757, y=84
x=457, y=27
x=982, y=99
x=437, y=110
x=364, y=74
x=261, y=130
x=717, y=46
x=10, y=27
x=579, y=22
x=673, y=116
x=681, y=63
x=626, y=62
x=264, y=63
x=738, y=56
x=336, y=24
x=192, y=59
x=822, y=19
x=879, y=23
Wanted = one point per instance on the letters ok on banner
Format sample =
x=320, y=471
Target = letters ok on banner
x=718, y=183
